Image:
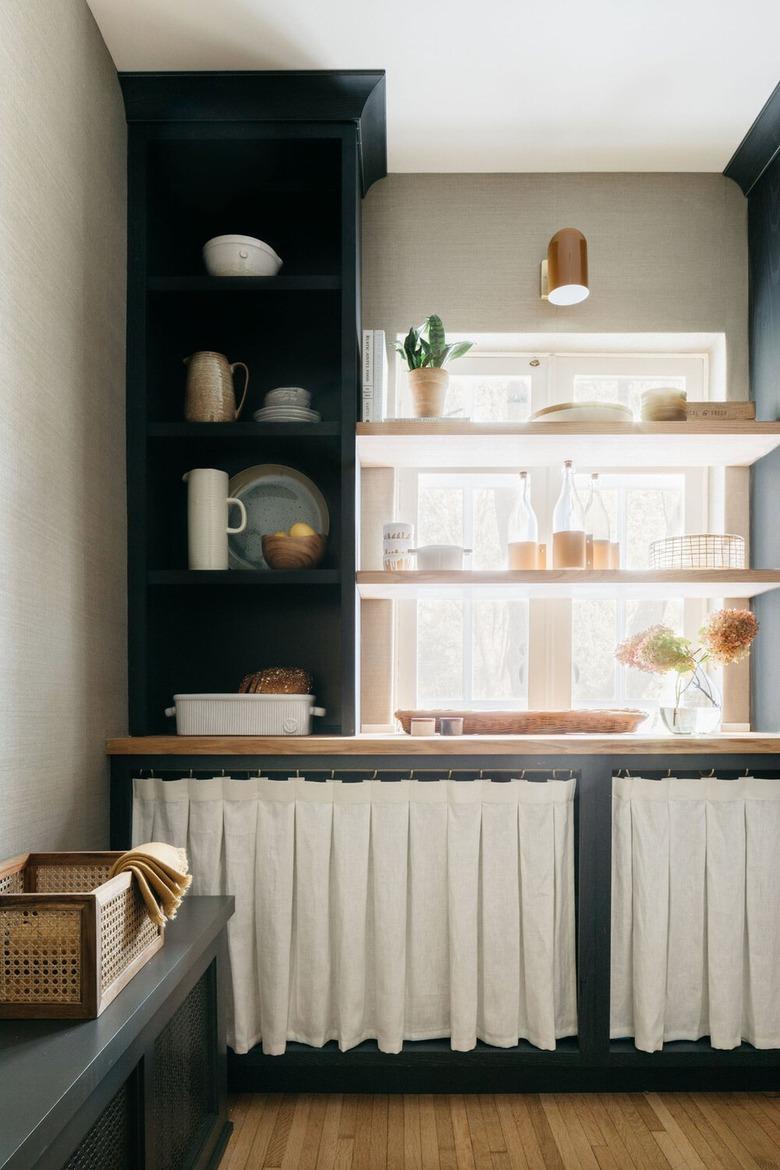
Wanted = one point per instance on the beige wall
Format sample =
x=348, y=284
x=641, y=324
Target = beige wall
x=62, y=491
x=667, y=252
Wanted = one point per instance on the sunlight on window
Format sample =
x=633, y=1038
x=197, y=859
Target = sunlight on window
x=440, y=651
x=597, y=628
x=488, y=399
x=620, y=388
x=500, y=650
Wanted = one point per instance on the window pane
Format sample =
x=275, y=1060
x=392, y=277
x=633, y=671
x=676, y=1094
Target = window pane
x=623, y=388
x=499, y=635
x=492, y=509
x=489, y=399
x=594, y=637
x=439, y=515
x=651, y=514
x=439, y=651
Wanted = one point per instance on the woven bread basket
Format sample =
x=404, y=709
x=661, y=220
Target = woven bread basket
x=533, y=722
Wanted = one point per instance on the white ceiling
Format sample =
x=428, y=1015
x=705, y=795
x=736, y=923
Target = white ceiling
x=498, y=85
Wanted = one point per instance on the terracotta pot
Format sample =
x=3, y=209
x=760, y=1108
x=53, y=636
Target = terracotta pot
x=429, y=389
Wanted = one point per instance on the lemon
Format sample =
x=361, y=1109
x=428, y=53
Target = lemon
x=302, y=529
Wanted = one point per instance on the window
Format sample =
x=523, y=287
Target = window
x=483, y=651
x=468, y=650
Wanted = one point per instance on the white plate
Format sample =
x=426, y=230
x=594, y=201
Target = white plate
x=286, y=414
x=601, y=412
x=288, y=396
x=275, y=498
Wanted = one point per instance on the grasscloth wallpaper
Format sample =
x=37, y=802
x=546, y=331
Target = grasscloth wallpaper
x=667, y=252
x=62, y=492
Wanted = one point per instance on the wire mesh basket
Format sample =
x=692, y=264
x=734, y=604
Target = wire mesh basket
x=701, y=550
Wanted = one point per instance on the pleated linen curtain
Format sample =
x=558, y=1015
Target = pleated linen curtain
x=386, y=910
x=696, y=911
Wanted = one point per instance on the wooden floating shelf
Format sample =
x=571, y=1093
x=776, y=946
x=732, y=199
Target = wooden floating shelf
x=243, y=283
x=243, y=430
x=239, y=577
x=410, y=443
x=574, y=583
x=371, y=746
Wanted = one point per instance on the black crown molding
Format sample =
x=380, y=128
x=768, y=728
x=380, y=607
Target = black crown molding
x=309, y=95
x=759, y=146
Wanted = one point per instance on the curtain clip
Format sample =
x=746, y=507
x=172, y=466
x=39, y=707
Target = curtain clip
x=376, y=773
x=708, y=775
x=333, y=773
x=191, y=776
x=449, y=774
x=746, y=773
x=481, y=773
x=668, y=773
x=411, y=773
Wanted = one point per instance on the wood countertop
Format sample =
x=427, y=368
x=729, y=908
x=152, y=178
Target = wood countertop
x=741, y=743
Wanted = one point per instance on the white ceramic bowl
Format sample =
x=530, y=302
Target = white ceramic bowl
x=240, y=256
x=440, y=556
x=288, y=396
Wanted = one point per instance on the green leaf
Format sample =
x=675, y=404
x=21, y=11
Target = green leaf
x=436, y=337
x=455, y=350
x=411, y=348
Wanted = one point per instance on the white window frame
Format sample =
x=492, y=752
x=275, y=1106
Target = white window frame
x=549, y=620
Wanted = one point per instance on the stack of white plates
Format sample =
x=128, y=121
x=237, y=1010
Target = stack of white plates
x=287, y=404
x=286, y=414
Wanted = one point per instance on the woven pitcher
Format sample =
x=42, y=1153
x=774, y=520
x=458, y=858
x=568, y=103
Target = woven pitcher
x=210, y=394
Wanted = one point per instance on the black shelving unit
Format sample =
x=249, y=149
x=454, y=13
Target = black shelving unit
x=285, y=157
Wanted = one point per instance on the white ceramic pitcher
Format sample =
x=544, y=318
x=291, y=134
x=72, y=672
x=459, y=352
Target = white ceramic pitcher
x=208, y=526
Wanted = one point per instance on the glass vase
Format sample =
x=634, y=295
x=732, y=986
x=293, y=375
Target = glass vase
x=697, y=708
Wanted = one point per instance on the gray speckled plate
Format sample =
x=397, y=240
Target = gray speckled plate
x=275, y=498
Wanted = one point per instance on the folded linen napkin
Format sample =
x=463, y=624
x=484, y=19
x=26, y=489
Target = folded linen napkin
x=161, y=873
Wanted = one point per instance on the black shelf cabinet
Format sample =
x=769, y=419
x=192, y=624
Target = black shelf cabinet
x=284, y=157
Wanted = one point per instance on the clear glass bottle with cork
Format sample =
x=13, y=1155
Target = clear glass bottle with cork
x=523, y=530
x=568, y=524
x=598, y=549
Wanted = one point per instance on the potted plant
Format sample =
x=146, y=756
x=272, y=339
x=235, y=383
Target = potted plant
x=725, y=639
x=426, y=352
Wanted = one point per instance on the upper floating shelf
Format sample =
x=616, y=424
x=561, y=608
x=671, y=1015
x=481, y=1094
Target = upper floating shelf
x=410, y=443
x=562, y=583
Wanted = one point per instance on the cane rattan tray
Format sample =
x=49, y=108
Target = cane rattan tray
x=70, y=939
x=533, y=722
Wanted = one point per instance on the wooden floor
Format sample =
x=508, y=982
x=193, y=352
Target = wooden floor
x=645, y=1131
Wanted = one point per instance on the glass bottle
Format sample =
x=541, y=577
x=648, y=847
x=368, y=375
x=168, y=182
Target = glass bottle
x=597, y=528
x=568, y=524
x=523, y=531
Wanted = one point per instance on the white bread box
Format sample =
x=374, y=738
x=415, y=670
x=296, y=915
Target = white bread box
x=232, y=714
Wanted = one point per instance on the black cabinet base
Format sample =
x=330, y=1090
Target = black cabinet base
x=432, y=1067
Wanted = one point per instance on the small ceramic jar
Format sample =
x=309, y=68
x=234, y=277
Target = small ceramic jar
x=423, y=727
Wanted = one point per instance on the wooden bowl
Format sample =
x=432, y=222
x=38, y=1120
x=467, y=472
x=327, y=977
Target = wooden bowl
x=294, y=552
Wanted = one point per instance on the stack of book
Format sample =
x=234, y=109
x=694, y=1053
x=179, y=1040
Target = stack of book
x=374, y=367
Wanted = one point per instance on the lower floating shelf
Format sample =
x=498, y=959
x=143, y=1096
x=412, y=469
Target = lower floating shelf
x=575, y=583
x=242, y=577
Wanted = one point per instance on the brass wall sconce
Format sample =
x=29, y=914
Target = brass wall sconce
x=564, y=274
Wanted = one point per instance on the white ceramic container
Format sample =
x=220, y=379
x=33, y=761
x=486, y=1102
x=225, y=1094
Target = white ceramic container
x=288, y=396
x=240, y=256
x=207, y=517
x=231, y=714
x=435, y=557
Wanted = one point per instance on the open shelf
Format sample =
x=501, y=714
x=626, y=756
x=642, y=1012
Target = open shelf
x=561, y=583
x=243, y=283
x=237, y=577
x=243, y=430
x=703, y=443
